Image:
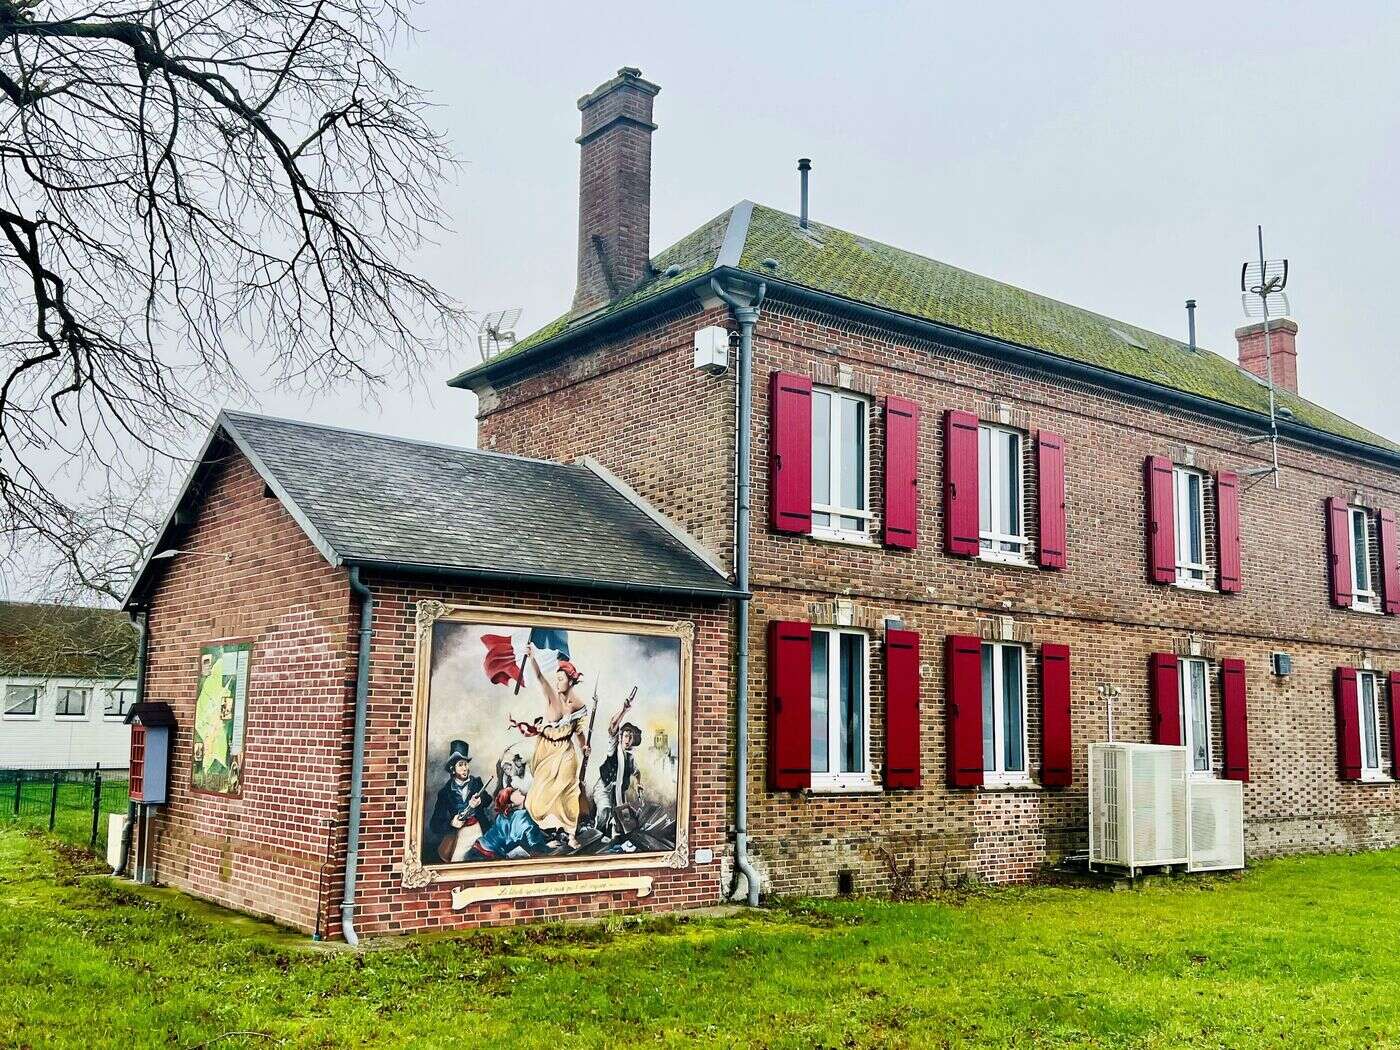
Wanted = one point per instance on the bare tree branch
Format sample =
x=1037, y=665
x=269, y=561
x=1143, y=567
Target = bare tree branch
x=193, y=193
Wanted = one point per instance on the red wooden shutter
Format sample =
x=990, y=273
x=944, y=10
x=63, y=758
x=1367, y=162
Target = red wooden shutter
x=1056, y=750
x=964, y=703
x=961, y=514
x=902, y=709
x=1235, y=707
x=1161, y=520
x=789, y=705
x=1394, y=685
x=1348, y=727
x=1227, y=520
x=901, y=472
x=1166, y=698
x=1051, y=469
x=790, y=452
x=1339, y=551
x=1390, y=566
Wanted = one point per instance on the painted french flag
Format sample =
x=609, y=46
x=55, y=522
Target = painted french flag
x=503, y=662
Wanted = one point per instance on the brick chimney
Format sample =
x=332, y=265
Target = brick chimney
x=1283, y=334
x=614, y=189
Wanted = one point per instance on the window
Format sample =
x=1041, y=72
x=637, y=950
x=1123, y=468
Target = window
x=999, y=485
x=1195, y=714
x=1004, y=713
x=72, y=702
x=1363, y=585
x=118, y=703
x=1368, y=698
x=22, y=701
x=1190, y=508
x=840, y=463
x=840, y=710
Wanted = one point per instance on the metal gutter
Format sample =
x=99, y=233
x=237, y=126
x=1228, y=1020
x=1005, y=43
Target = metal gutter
x=746, y=313
x=543, y=579
x=357, y=757
x=1078, y=370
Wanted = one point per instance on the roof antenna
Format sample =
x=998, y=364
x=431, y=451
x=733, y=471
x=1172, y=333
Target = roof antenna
x=497, y=332
x=804, y=166
x=1262, y=285
x=1191, y=323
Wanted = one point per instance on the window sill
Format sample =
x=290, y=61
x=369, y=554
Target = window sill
x=19, y=718
x=855, y=787
x=1011, y=785
x=71, y=718
x=1375, y=778
x=1369, y=610
x=1194, y=586
x=1016, y=561
x=847, y=539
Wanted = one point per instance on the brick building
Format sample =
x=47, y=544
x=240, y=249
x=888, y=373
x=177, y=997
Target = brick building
x=938, y=534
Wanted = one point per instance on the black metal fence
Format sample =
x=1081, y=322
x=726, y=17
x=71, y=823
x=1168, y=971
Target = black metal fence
x=71, y=803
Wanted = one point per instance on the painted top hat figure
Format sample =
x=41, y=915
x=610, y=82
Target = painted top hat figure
x=462, y=810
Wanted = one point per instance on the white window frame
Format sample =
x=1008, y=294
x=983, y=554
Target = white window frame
x=1363, y=599
x=110, y=693
x=832, y=780
x=41, y=690
x=999, y=775
x=1188, y=733
x=1377, y=771
x=1193, y=575
x=836, y=439
x=59, y=716
x=994, y=540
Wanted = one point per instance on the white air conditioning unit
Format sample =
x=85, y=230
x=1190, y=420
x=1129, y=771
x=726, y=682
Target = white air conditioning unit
x=1215, y=812
x=1137, y=806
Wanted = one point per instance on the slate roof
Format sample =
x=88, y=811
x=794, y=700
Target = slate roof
x=66, y=641
x=376, y=500
x=859, y=270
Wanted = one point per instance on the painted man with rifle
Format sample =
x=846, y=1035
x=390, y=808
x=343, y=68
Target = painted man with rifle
x=617, y=774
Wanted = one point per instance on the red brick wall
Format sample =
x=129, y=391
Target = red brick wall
x=641, y=408
x=269, y=851
x=1102, y=606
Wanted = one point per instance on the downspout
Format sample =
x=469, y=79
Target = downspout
x=357, y=758
x=141, y=623
x=747, y=316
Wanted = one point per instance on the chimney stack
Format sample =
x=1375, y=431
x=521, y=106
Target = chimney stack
x=1283, y=337
x=614, y=192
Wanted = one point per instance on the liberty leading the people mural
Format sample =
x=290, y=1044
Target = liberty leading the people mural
x=547, y=742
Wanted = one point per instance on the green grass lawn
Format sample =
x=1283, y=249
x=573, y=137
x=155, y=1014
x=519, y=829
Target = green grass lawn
x=1303, y=952
x=73, y=814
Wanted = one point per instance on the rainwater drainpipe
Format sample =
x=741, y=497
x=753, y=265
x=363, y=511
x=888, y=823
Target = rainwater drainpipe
x=357, y=758
x=747, y=316
x=141, y=621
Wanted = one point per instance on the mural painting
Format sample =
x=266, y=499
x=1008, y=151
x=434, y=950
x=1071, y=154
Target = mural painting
x=548, y=741
x=219, y=713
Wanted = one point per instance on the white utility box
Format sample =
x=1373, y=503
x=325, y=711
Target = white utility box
x=1137, y=806
x=116, y=828
x=712, y=349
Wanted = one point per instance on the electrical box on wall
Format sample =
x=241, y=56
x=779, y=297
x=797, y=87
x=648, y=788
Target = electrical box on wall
x=712, y=349
x=1283, y=664
x=152, y=726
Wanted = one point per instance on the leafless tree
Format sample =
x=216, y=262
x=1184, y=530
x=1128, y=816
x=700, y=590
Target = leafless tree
x=194, y=193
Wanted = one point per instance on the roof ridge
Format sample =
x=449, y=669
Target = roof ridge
x=400, y=439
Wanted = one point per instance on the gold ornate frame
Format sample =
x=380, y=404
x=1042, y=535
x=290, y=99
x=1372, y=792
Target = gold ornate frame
x=416, y=874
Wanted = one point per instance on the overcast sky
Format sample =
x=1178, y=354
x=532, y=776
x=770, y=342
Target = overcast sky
x=1113, y=156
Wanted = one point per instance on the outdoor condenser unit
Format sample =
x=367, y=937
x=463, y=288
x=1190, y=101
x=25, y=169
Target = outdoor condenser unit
x=1215, y=813
x=1137, y=806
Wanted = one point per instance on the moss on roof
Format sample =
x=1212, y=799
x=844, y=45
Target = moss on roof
x=852, y=267
x=843, y=264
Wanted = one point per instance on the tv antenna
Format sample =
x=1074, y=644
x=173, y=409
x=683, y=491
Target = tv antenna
x=497, y=332
x=1261, y=293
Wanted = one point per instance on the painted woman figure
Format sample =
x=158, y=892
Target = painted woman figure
x=553, y=801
